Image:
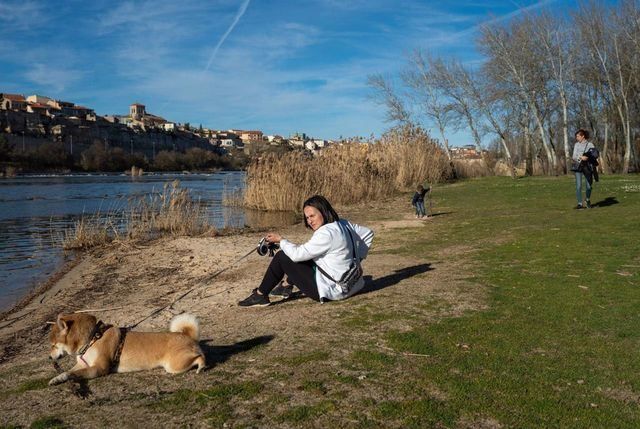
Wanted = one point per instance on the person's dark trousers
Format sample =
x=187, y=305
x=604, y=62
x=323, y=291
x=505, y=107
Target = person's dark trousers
x=300, y=274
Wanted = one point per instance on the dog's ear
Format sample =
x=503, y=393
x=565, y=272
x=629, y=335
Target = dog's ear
x=63, y=322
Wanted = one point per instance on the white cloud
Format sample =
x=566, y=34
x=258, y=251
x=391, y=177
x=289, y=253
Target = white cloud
x=20, y=14
x=55, y=79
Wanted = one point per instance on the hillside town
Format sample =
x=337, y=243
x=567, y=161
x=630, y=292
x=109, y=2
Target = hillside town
x=139, y=120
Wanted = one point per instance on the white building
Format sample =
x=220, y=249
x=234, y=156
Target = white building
x=39, y=99
x=320, y=143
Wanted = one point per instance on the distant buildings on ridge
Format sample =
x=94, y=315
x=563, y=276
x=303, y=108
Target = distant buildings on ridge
x=139, y=119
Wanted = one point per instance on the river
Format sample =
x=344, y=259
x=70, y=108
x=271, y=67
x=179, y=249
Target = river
x=35, y=211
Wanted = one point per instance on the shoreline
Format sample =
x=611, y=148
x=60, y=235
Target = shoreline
x=43, y=286
x=39, y=290
x=38, y=215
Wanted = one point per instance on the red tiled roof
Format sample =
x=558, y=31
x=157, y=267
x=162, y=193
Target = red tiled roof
x=13, y=97
x=81, y=108
x=39, y=106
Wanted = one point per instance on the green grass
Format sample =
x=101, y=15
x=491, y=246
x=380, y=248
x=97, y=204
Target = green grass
x=50, y=422
x=301, y=359
x=301, y=413
x=216, y=400
x=563, y=323
x=37, y=384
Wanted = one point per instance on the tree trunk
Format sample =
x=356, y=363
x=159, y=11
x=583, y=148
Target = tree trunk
x=551, y=155
x=627, y=144
x=528, y=147
x=445, y=142
x=507, y=154
x=565, y=135
x=604, y=157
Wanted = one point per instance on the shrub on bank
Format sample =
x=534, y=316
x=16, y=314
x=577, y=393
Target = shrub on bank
x=403, y=158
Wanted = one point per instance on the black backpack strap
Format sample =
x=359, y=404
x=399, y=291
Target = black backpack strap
x=353, y=248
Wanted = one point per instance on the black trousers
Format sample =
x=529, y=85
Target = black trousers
x=301, y=274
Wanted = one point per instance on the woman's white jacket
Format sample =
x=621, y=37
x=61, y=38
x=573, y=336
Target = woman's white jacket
x=330, y=248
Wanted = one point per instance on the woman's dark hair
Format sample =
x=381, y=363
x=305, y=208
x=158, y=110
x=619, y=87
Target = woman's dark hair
x=583, y=133
x=323, y=206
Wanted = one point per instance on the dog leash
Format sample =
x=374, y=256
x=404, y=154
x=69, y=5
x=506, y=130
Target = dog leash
x=211, y=277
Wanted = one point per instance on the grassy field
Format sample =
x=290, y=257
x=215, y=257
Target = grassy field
x=554, y=342
x=558, y=345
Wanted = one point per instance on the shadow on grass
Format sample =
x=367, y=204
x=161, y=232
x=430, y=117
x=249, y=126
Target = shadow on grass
x=439, y=214
x=219, y=354
x=372, y=285
x=609, y=201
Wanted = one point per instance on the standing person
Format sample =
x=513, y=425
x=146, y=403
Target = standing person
x=580, y=158
x=330, y=249
x=418, y=201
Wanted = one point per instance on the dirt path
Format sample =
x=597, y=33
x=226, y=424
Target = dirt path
x=241, y=344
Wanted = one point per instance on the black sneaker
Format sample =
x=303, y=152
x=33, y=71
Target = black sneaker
x=282, y=290
x=255, y=300
x=578, y=207
x=588, y=204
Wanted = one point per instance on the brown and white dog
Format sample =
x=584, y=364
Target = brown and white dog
x=100, y=349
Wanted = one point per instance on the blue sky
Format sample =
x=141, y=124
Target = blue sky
x=278, y=66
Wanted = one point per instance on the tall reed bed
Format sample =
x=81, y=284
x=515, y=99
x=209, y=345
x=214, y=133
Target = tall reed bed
x=171, y=212
x=470, y=168
x=400, y=160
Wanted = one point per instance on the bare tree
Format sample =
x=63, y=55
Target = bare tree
x=428, y=96
x=512, y=59
x=542, y=75
x=484, y=97
x=384, y=94
x=606, y=44
x=559, y=57
x=449, y=78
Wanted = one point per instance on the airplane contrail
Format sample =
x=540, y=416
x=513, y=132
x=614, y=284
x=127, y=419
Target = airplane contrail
x=241, y=11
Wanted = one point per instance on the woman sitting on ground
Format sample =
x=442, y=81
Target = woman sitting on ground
x=330, y=249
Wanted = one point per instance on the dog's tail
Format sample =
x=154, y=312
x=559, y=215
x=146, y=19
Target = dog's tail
x=186, y=324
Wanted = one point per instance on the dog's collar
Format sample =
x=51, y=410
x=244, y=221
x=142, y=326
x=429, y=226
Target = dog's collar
x=116, y=357
x=98, y=331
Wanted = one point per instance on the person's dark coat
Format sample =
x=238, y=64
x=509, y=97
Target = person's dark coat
x=590, y=167
x=419, y=196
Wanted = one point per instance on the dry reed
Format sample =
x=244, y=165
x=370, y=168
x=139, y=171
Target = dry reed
x=470, y=168
x=346, y=174
x=87, y=232
x=232, y=197
x=171, y=212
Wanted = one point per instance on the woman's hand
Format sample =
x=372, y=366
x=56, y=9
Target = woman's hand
x=273, y=237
